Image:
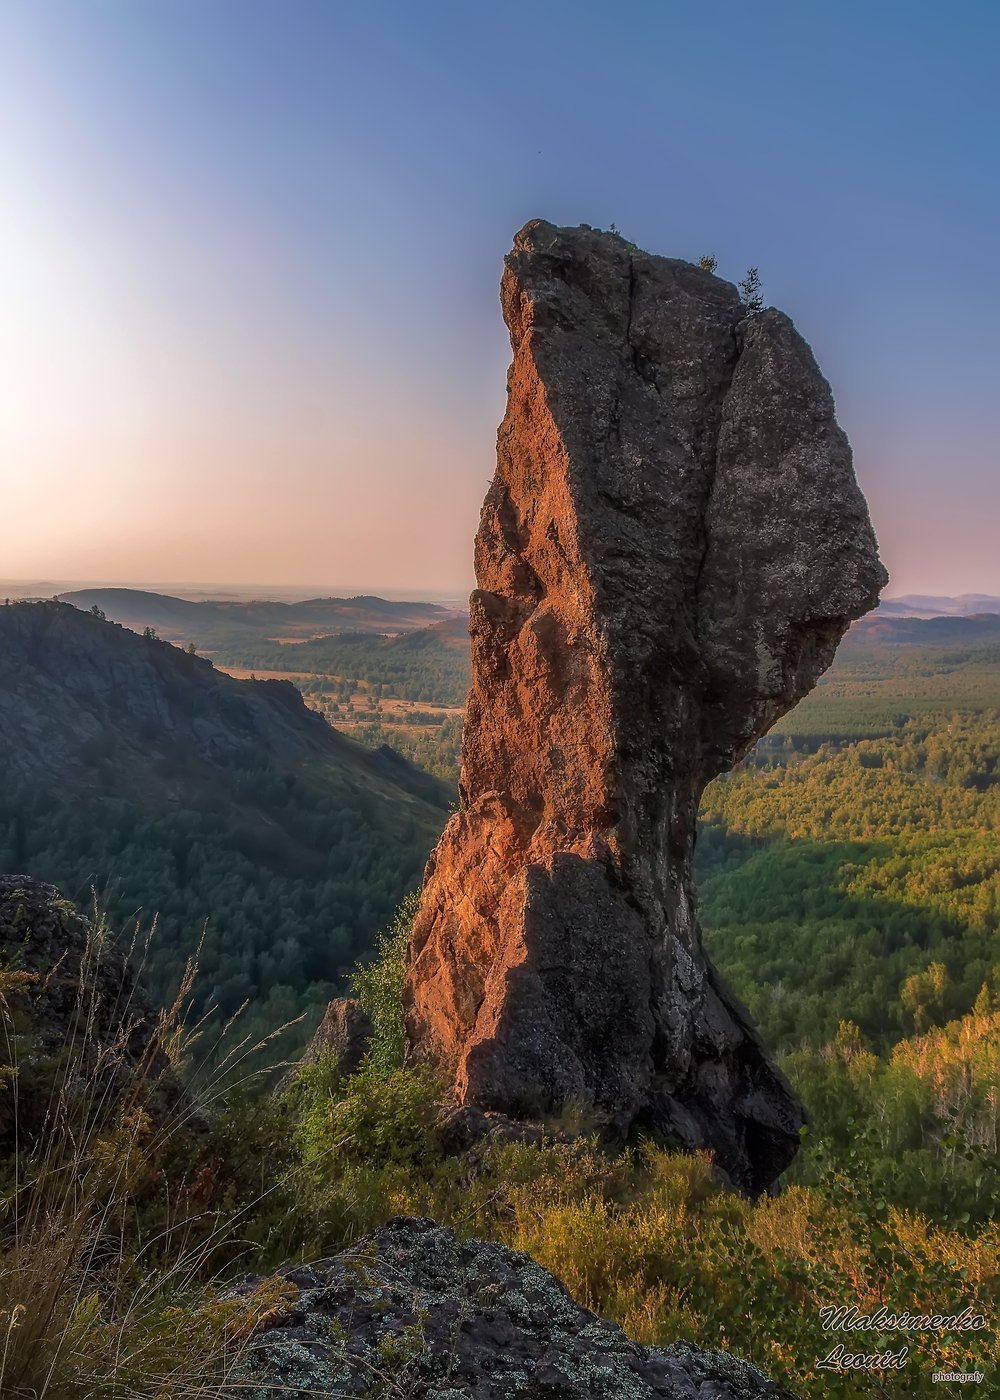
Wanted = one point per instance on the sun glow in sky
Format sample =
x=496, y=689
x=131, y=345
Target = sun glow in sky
x=249, y=253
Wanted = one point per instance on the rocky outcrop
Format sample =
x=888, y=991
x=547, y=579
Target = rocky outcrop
x=671, y=548
x=345, y=1032
x=415, y=1311
x=74, y=1024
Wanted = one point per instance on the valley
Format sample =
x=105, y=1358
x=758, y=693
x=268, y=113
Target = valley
x=848, y=886
x=855, y=848
x=848, y=883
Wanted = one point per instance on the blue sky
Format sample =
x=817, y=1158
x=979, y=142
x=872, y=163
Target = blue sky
x=250, y=255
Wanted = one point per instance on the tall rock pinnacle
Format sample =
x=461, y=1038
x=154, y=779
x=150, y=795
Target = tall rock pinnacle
x=669, y=553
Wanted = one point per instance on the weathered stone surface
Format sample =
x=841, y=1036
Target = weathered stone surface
x=415, y=1311
x=672, y=546
x=345, y=1031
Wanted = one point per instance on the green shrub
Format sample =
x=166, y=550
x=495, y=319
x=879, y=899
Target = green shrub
x=379, y=987
x=375, y=1116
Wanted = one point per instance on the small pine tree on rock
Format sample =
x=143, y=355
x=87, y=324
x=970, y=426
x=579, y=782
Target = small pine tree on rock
x=750, y=293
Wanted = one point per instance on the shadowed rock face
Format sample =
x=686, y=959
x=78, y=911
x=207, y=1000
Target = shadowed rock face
x=671, y=548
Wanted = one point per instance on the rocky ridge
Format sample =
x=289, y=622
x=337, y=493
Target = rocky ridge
x=70, y=682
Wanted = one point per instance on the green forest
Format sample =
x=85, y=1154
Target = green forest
x=429, y=665
x=849, y=889
x=211, y=814
x=850, y=867
x=860, y=880
x=281, y=892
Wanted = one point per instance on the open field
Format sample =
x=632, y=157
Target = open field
x=423, y=731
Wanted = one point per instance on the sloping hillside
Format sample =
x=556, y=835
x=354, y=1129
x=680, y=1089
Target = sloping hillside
x=132, y=767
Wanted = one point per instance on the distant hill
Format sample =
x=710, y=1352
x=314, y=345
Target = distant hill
x=137, y=609
x=205, y=623
x=929, y=605
x=128, y=765
x=967, y=631
x=453, y=633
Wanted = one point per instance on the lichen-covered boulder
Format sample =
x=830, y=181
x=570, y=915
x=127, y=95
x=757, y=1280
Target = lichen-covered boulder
x=415, y=1311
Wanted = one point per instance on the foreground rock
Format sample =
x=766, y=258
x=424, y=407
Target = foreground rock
x=414, y=1311
x=345, y=1032
x=672, y=547
x=73, y=1020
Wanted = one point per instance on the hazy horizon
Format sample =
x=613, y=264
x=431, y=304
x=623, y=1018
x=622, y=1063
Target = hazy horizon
x=249, y=259
x=21, y=589
x=180, y=588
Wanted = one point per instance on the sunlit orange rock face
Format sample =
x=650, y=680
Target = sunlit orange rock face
x=671, y=548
